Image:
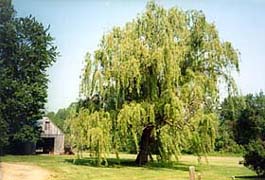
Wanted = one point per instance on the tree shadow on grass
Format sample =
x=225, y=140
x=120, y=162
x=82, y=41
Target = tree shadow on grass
x=112, y=162
x=250, y=177
x=168, y=165
x=115, y=163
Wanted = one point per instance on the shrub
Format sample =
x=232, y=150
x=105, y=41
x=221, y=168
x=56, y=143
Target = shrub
x=255, y=156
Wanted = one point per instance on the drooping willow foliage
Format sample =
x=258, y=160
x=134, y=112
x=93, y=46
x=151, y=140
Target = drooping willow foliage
x=160, y=71
x=90, y=130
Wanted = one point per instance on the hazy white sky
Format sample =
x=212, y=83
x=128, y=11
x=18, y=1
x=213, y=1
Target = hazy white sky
x=78, y=26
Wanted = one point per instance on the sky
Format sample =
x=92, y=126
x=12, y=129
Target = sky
x=78, y=26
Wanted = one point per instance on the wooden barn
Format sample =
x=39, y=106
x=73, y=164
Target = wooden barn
x=52, y=138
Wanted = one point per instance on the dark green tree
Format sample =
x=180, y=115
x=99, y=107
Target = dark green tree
x=251, y=121
x=250, y=130
x=3, y=135
x=26, y=51
x=6, y=15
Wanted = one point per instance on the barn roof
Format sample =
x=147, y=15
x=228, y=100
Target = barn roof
x=49, y=128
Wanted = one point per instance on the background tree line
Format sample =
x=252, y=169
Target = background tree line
x=241, y=128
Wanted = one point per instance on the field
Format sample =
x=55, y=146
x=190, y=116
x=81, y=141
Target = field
x=62, y=168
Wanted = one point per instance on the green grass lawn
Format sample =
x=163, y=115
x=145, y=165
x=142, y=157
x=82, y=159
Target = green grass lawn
x=62, y=168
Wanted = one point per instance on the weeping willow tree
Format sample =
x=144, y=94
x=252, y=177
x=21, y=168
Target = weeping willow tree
x=158, y=78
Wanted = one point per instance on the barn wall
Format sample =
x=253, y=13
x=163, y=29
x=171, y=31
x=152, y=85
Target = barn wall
x=52, y=131
x=59, y=144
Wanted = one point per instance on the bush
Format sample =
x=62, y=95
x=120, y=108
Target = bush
x=255, y=156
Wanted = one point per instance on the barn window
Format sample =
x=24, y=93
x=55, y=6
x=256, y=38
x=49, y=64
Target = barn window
x=47, y=125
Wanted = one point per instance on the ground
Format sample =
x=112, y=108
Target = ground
x=63, y=168
x=24, y=172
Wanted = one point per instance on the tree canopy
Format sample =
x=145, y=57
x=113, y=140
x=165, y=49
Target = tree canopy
x=26, y=51
x=158, y=80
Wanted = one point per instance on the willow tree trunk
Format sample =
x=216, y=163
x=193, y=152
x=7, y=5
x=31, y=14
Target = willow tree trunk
x=145, y=145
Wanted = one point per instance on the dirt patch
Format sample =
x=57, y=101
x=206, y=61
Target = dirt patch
x=10, y=171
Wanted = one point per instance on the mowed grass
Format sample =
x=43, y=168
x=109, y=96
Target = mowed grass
x=62, y=168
